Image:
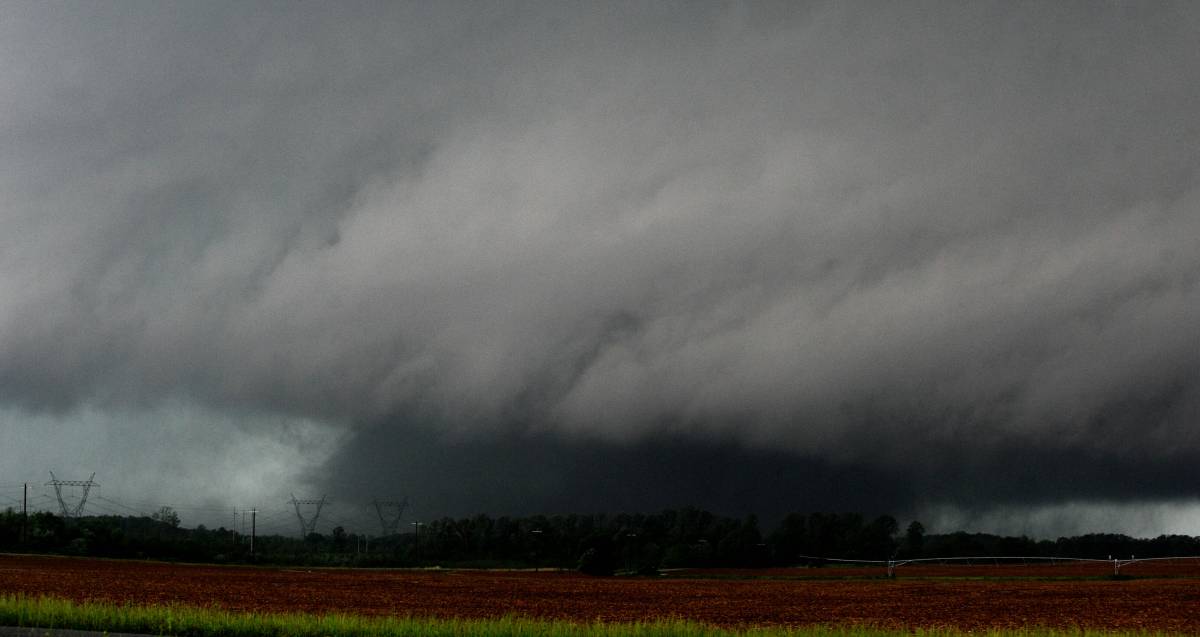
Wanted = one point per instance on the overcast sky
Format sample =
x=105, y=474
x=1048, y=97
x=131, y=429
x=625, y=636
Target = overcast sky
x=933, y=259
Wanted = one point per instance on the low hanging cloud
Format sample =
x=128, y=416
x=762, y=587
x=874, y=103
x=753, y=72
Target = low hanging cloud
x=949, y=247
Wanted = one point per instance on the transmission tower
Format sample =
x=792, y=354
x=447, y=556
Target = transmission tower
x=308, y=526
x=86, y=485
x=389, y=514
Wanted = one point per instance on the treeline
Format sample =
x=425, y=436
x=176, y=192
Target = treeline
x=597, y=544
x=1092, y=545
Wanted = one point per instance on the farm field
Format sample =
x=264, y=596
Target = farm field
x=1159, y=603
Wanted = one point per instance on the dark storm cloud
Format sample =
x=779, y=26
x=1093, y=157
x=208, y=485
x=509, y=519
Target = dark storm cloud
x=946, y=246
x=531, y=475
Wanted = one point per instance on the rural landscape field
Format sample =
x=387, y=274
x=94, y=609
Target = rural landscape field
x=1165, y=597
x=603, y=318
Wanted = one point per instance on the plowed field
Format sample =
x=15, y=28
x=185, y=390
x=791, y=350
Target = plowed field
x=1161, y=604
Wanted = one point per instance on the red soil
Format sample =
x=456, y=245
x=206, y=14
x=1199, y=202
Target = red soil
x=1169, y=604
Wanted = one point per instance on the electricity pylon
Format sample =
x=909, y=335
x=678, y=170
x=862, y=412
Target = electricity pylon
x=86, y=485
x=307, y=526
x=390, y=523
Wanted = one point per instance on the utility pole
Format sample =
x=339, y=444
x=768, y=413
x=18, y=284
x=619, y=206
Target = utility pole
x=253, y=513
x=24, y=513
x=417, y=540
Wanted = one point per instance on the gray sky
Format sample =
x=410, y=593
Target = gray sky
x=937, y=259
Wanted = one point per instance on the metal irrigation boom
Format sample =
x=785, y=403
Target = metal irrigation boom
x=893, y=563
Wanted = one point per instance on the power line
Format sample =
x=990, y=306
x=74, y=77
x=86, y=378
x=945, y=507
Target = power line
x=86, y=485
x=76, y=498
x=389, y=523
x=114, y=502
x=307, y=525
x=93, y=506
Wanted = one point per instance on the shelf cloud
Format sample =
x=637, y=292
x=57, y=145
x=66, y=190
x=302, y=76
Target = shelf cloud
x=523, y=257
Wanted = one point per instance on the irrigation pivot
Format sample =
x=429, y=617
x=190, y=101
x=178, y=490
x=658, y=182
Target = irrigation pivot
x=892, y=564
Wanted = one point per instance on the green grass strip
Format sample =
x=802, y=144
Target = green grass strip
x=191, y=621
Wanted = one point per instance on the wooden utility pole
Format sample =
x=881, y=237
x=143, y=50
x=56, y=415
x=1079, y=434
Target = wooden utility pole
x=253, y=515
x=24, y=513
x=417, y=540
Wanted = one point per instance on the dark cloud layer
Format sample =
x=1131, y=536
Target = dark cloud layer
x=539, y=474
x=622, y=255
x=531, y=475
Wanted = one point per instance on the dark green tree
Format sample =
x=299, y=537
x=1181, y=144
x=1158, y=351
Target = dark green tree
x=167, y=516
x=914, y=539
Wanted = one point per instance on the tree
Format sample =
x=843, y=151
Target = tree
x=340, y=538
x=879, y=538
x=914, y=539
x=790, y=540
x=596, y=562
x=167, y=516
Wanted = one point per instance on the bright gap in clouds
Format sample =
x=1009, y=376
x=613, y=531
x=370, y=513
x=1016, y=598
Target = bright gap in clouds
x=1048, y=521
x=203, y=463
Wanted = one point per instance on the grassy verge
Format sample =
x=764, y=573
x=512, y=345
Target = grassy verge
x=188, y=621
